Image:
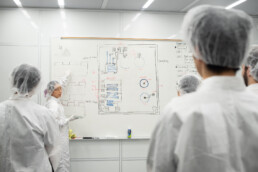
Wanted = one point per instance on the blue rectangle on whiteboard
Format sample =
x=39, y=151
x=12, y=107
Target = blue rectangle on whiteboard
x=111, y=68
x=110, y=103
x=113, y=95
x=112, y=87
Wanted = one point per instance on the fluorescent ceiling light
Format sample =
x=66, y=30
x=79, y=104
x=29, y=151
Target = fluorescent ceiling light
x=34, y=25
x=136, y=16
x=127, y=27
x=18, y=3
x=235, y=4
x=147, y=4
x=26, y=13
x=61, y=3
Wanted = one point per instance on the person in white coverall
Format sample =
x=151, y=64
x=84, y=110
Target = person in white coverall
x=28, y=132
x=187, y=84
x=53, y=93
x=214, y=129
x=250, y=70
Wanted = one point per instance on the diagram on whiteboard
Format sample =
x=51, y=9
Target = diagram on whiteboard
x=75, y=95
x=128, y=81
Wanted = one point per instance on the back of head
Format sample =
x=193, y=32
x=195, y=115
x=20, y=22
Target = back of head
x=218, y=36
x=25, y=78
x=252, y=62
x=188, y=84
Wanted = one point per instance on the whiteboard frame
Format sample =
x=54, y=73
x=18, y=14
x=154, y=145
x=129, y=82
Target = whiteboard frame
x=133, y=39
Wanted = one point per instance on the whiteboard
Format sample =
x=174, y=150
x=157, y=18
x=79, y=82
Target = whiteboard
x=117, y=84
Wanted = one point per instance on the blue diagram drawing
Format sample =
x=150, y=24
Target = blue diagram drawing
x=128, y=80
x=112, y=87
x=111, y=65
x=113, y=95
x=110, y=102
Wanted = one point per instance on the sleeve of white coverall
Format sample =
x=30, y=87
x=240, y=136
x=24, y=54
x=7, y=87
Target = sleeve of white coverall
x=53, y=107
x=161, y=156
x=50, y=138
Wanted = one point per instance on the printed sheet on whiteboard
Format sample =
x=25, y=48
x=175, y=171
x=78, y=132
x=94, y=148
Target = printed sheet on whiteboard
x=128, y=79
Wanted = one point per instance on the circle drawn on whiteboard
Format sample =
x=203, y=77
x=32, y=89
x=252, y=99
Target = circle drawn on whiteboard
x=144, y=83
x=102, y=108
x=145, y=97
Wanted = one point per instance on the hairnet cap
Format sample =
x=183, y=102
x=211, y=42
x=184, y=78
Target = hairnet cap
x=50, y=88
x=252, y=62
x=25, y=78
x=188, y=84
x=218, y=36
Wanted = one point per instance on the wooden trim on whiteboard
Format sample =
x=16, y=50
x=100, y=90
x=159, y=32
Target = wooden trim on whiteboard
x=136, y=39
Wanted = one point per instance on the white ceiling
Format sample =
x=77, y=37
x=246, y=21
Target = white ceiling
x=250, y=6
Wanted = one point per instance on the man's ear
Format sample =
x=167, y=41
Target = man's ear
x=243, y=70
x=178, y=93
x=196, y=57
x=243, y=67
x=197, y=60
x=199, y=65
x=248, y=71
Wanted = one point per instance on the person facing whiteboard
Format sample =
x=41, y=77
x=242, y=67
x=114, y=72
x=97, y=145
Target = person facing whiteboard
x=53, y=93
x=187, y=84
x=214, y=129
x=250, y=70
x=28, y=132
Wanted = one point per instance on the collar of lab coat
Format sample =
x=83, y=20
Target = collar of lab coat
x=253, y=86
x=19, y=97
x=55, y=99
x=233, y=83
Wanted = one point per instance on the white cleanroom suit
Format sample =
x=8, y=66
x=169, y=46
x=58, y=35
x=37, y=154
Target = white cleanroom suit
x=212, y=130
x=62, y=148
x=253, y=88
x=27, y=135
